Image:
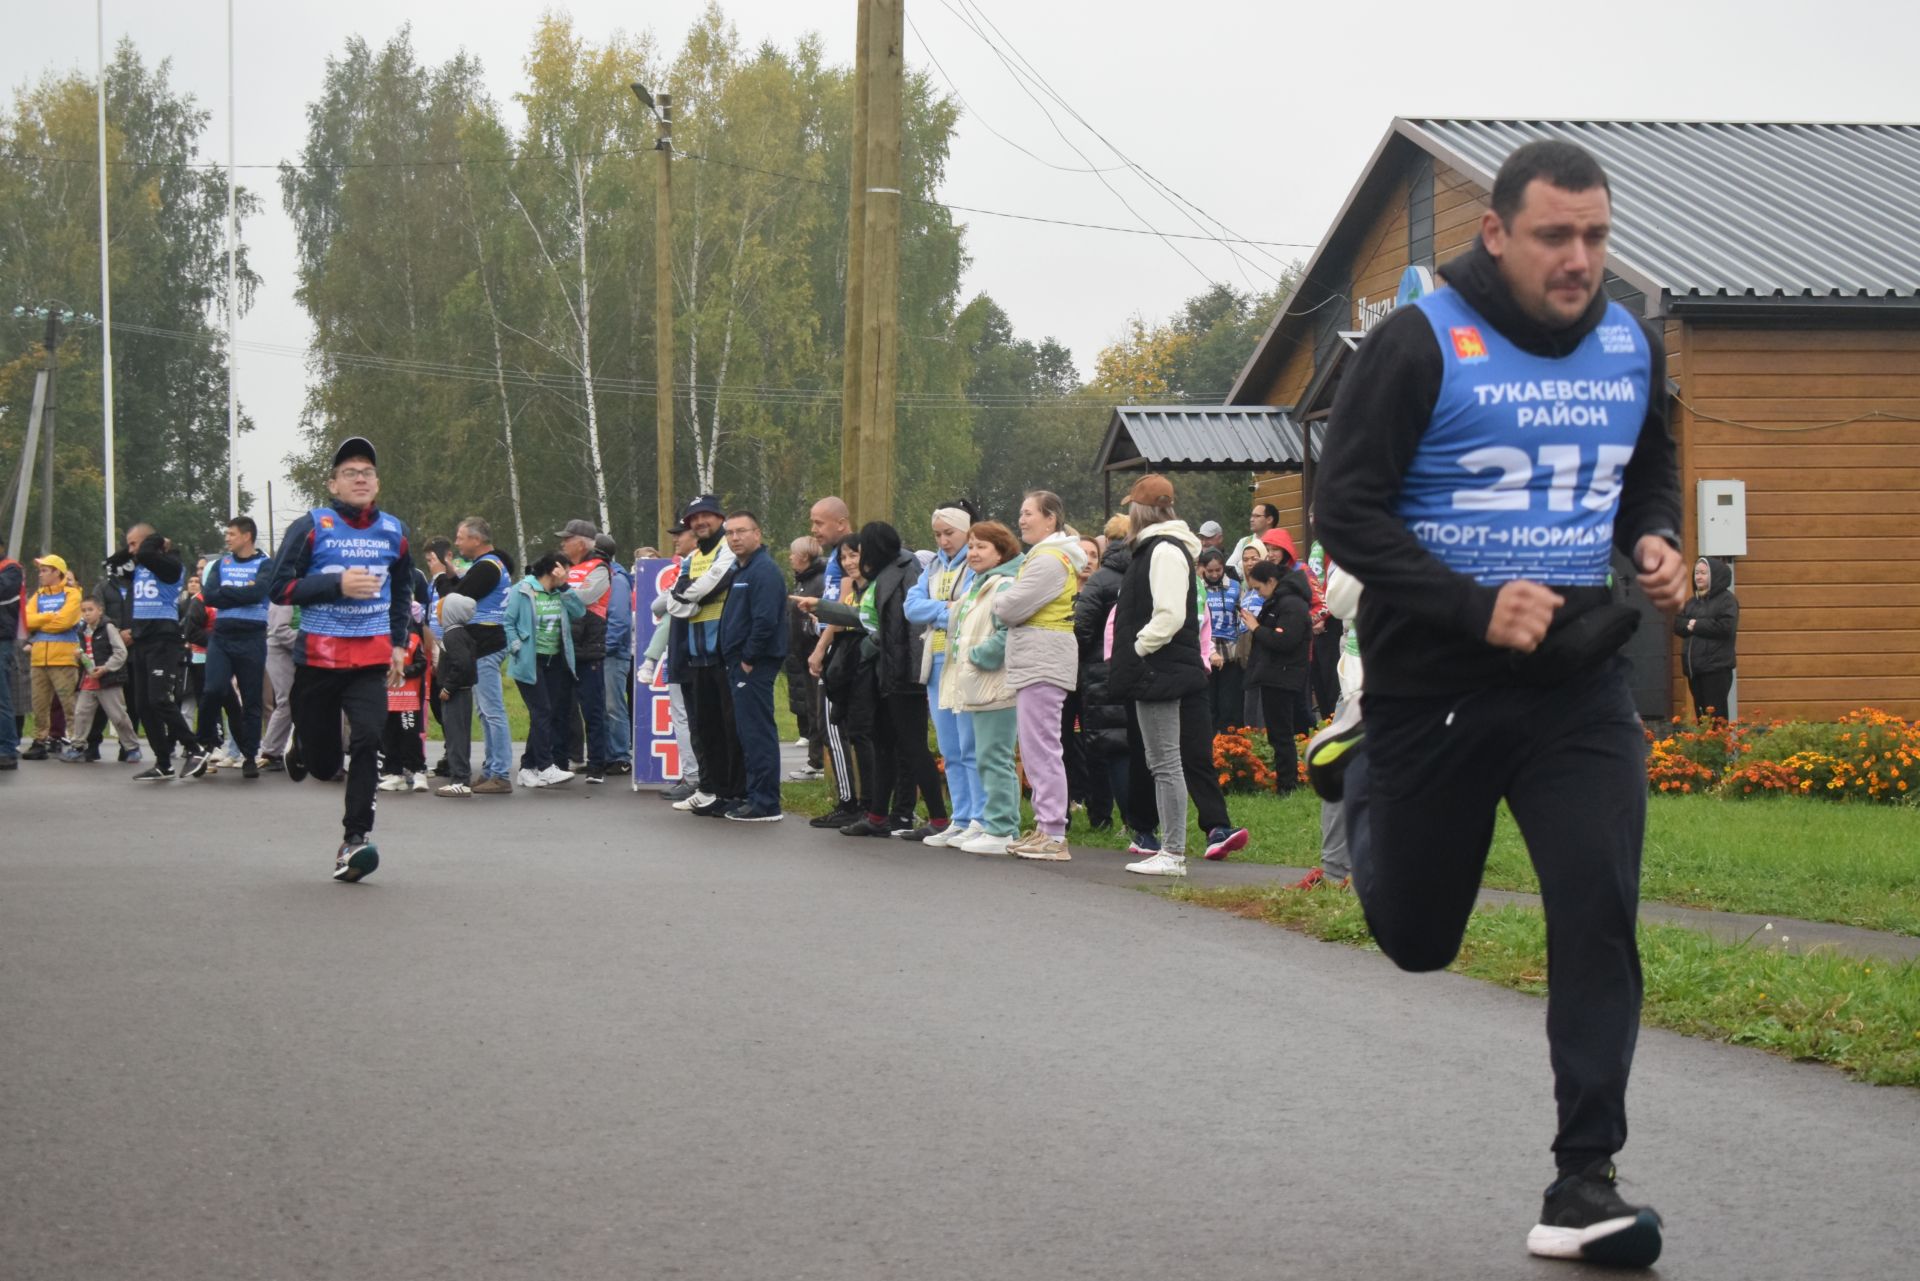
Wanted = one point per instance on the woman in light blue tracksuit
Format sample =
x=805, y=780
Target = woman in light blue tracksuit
x=929, y=600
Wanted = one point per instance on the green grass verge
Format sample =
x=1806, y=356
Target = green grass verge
x=1862, y=1016
x=1789, y=856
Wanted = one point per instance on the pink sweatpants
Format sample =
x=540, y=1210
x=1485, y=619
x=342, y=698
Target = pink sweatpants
x=1038, y=707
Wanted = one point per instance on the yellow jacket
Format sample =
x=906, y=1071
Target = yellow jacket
x=54, y=627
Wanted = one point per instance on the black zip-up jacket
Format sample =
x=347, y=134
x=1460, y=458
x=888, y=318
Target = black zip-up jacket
x=13, y=581
x=477, y=584
x=1096, y=597
x=1280, y=643
x=897, y=650
x=164, y=565
x=458, y=665
x=1715, y=619
x=810, y=581
x=1423, y=627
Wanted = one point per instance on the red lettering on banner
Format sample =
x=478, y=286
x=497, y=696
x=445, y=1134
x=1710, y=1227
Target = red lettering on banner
x=662, y=717
x=668, y=754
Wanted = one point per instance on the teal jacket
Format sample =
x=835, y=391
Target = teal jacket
x=522, y=661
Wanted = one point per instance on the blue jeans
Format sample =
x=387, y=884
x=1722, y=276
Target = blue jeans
x=954, y=732
x=491, y=695
x=759, y=736
x=234, y=657
x=619, y=684
x=582, y=699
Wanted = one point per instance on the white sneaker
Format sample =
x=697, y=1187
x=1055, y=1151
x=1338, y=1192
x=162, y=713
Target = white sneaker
x=392, y=783
x=1045, y=849
x=1161, y=864
x=232, y=760
x=695, y=801
x=528, y=778
x=420, y=783
x=800, y=743
x=985, y=843
x=553, y=776
x=951, y=834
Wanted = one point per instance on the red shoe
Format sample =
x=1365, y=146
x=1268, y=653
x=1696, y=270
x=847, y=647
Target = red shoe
x=1311, y=881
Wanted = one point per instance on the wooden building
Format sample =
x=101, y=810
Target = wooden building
x=1783, y=264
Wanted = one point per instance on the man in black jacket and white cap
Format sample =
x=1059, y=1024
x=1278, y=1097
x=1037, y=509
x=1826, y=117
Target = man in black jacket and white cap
x=1495, y=441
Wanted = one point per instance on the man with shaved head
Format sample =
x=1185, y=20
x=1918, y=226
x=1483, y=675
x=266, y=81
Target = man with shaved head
x=830, y=522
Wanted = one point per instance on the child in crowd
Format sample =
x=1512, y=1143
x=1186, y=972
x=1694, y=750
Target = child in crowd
x=403, y=748
x=103, y=677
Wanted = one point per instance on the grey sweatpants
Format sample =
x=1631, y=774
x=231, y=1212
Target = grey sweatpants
x=113, y=701
x=280, y=724
x=683, y=735
x=1160, y=743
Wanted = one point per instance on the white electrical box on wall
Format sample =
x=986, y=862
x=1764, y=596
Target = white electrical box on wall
x=1722, y=510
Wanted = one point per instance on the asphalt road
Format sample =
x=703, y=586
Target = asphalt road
x=571, y=1034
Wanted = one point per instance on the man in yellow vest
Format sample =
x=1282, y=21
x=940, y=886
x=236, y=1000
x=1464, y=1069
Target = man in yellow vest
x=698, y=599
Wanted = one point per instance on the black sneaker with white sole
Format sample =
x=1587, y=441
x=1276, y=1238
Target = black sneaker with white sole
x=154, y=774
x=295, y=763
x=747, y=813
x=194, y=766
x=356, y=860
x=1585, y=1218
x=1329, y=751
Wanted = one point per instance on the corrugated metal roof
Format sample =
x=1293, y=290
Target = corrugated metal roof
x=1201, y=437
x=1737, y=210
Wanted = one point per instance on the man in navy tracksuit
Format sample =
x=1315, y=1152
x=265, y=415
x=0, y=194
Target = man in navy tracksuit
x=753, y=643
x=1497, y=441
x=235, y=585
x=349, y=568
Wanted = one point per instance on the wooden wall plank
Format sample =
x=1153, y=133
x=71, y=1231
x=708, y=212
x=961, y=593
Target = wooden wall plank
x=1734, y=459
x=1859, y=691
x=1752, y=644
x=1849, y=619
x=1736, y=338
x=1872, y=431
x=1824, y=710
x=1825, y=595
x=1817, y=571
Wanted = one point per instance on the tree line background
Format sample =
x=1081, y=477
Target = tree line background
x=481, y=289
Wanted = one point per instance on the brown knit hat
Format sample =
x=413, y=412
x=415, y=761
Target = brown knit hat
x=1152, y=490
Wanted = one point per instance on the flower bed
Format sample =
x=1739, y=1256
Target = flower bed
x=1866, y=755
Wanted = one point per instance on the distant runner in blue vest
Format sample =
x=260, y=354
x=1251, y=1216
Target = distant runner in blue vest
x=155, y=574
x=349, y=568
x=1493, y=444
x=235, y=585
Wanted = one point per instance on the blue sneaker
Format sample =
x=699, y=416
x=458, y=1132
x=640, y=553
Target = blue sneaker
x=1143, y=843
x=1222, y=841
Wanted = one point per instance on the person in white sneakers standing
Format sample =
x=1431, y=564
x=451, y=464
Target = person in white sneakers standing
x=974, y=684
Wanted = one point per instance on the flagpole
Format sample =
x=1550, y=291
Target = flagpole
x=233, y=238
x=106, y=278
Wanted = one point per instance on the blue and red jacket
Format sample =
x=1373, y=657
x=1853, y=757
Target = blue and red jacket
x=335, y=630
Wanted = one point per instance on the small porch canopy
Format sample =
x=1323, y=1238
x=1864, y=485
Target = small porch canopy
x=1170, y=438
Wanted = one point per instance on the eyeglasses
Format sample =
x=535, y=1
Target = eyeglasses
x=356, y=473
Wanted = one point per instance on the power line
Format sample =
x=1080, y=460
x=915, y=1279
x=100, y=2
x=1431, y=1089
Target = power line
x=684, y=155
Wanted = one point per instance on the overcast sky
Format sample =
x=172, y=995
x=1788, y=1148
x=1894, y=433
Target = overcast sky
x=1259, y=112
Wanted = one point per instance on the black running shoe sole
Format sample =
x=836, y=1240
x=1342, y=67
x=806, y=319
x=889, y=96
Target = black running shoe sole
x=1634, y=1247
x=1327, y=764
x=361, y=864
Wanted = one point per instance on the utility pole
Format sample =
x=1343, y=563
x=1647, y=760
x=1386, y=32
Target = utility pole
x=46, y=426
x=853, y=361
x=233, y=289
x=106, y=278
x=662, y=107
x=880, y=311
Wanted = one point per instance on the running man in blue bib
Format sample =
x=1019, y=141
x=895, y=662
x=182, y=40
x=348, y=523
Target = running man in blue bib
x=349, y=568
x=1491, y=447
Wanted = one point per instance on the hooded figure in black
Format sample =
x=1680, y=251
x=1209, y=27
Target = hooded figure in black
x=1706, y=625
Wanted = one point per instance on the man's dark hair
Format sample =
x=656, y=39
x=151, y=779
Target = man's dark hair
x=1211, y=555
x=546, y=565
x=1562, y=164
x=1273, y=513
x=441, y=547
x=741, y=513
x=245, y=525
x=1264, y=572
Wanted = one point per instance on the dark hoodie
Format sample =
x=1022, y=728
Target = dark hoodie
x=1281, y=642
x=1423, y=626
x=1715, y=617
x=1103, y=715
x=1096, y=600
x=810, y=581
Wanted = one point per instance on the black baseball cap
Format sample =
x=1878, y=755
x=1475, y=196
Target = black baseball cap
x=677, y=528
x=355, y=447
x=703, y=503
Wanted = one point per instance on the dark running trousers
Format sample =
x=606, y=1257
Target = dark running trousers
x=902, y=764
x=1711, y=690
x=320, y=697
x=1278, y=703
x=759, y=735
x=157, y=661
x=1570, y=761
x=234, y=658
x=716, y=745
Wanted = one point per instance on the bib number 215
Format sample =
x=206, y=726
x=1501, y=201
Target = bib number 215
x=1513, y=489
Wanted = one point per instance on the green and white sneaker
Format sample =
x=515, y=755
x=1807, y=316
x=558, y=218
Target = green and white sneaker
x=1329, y=751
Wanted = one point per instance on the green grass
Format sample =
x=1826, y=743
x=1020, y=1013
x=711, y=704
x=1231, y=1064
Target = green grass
x=1862, y=1016
x=1816, y=860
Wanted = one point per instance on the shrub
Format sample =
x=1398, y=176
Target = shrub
x=1867, y=754
x=1240, y=764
